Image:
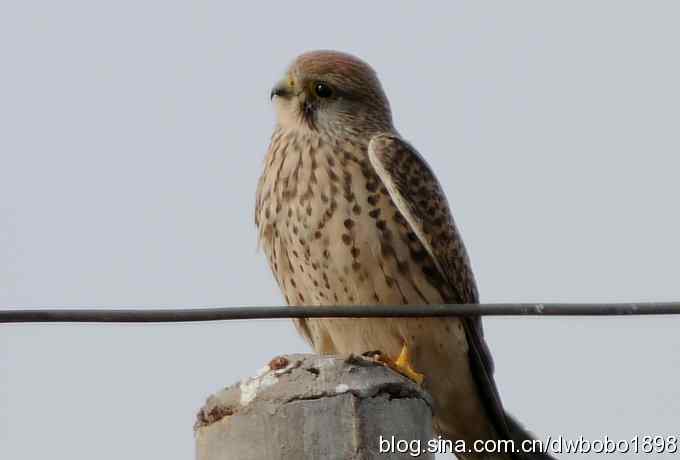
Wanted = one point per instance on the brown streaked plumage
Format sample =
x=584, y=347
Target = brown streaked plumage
x=349, y=213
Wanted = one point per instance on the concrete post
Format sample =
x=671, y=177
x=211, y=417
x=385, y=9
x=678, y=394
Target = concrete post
x=310, y=407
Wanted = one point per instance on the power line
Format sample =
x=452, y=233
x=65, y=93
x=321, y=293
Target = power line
x=175, y=315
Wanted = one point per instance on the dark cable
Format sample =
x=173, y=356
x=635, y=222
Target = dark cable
x=153, y=315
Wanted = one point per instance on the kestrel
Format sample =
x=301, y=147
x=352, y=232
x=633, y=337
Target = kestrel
x=350, y=213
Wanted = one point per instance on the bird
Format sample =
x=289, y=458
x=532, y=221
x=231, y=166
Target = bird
x=349, y=213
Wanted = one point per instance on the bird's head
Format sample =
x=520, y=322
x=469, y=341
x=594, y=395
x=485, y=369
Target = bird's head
x=332, y=92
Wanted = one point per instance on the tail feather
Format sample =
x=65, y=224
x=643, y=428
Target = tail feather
x=519, y=435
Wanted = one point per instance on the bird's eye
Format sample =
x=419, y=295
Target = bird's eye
x=322, y=90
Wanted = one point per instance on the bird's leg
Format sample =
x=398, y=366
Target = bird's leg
x=402, y=364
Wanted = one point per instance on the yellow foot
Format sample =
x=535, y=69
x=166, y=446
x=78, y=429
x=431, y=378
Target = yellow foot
x=401, y=365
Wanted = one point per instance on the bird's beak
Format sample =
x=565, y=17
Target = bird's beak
x=281, y=89
x=285, y=88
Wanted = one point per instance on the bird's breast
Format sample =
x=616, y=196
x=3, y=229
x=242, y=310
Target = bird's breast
x=331, y=231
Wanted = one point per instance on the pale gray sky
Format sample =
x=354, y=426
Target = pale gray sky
x=132, y=137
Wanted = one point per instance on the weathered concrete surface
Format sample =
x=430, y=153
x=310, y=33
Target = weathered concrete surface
x=309, y=407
